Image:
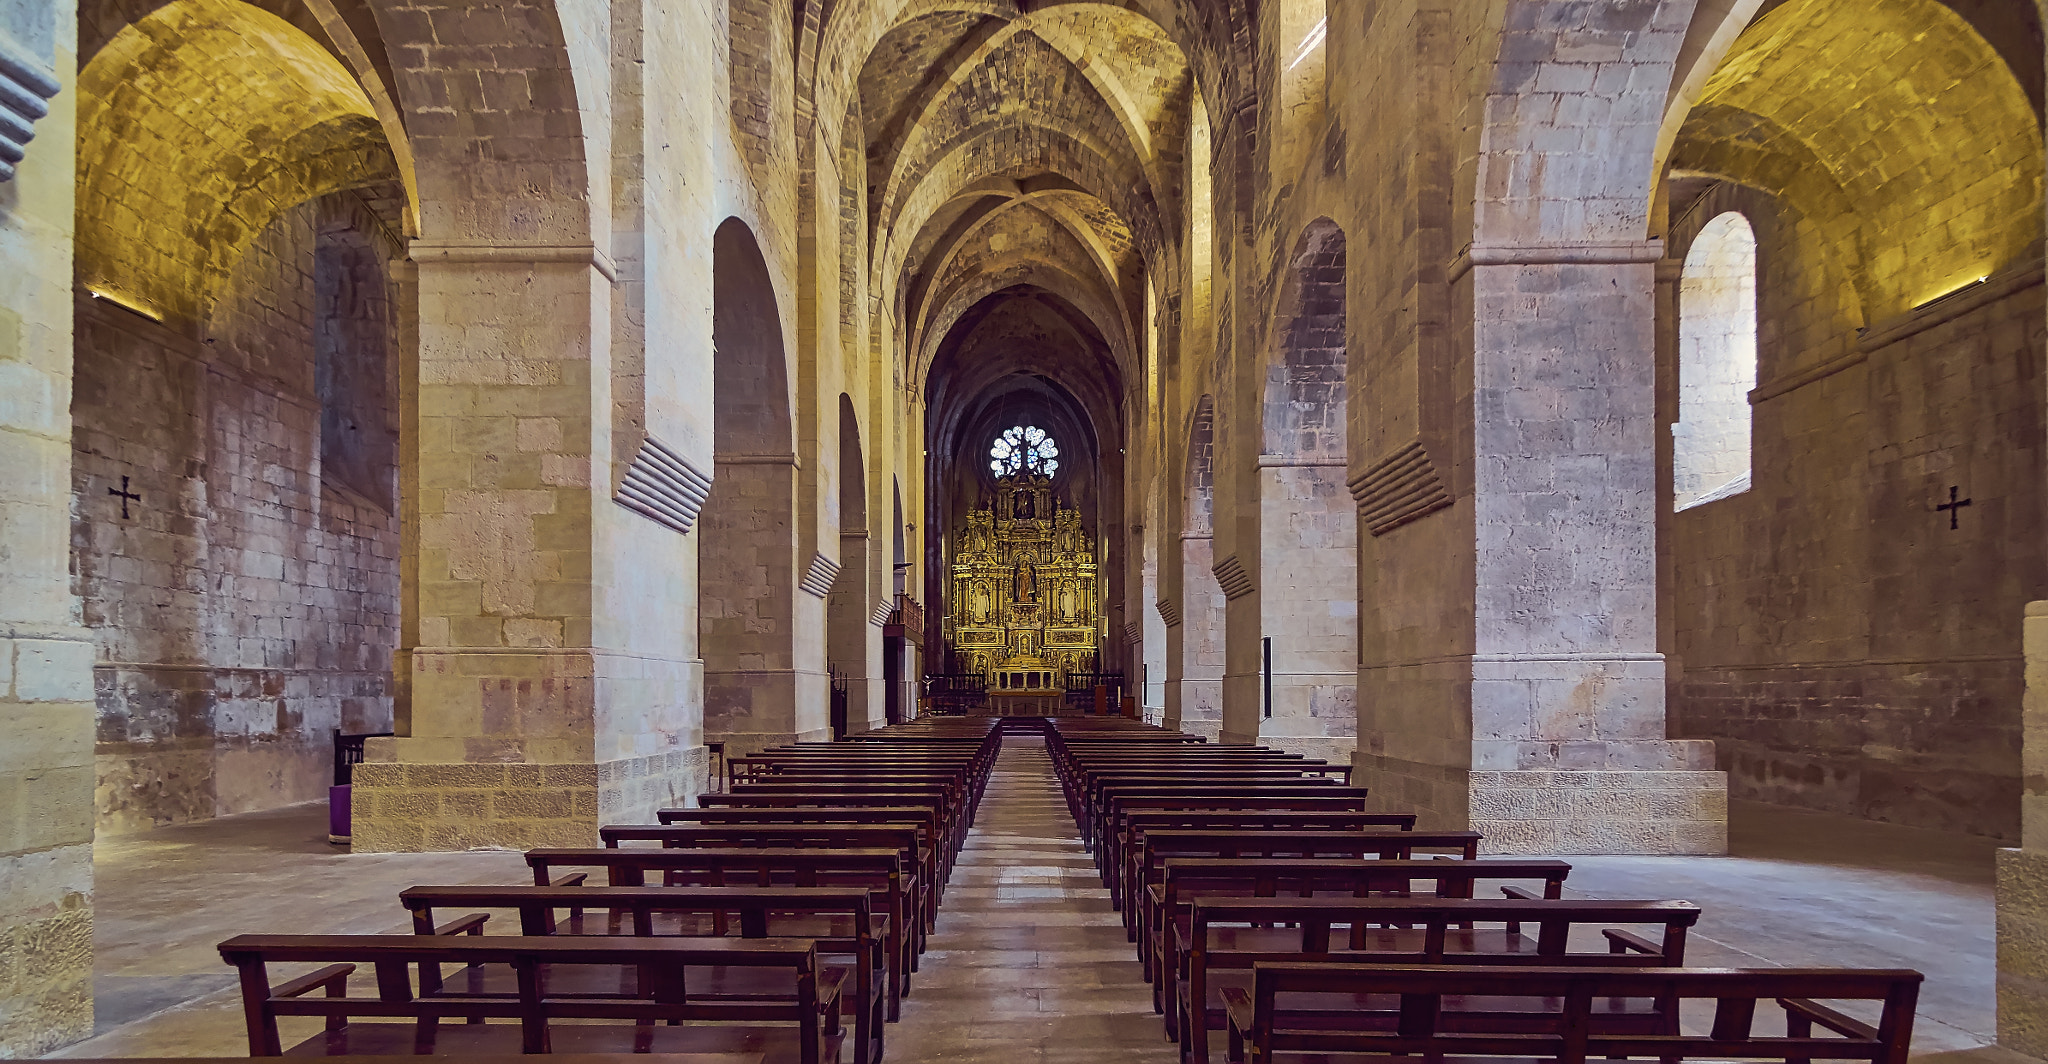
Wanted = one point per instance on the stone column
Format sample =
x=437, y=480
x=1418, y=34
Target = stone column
x=1569, y=753
x=2023, y=870
x=1308, y=605
x=525, y=725
x=853, y=632
x=752, y=607
x=1198, y=679
x=46, y=655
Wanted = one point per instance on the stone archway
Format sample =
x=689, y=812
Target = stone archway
x=1301, y=593
x=747, y=557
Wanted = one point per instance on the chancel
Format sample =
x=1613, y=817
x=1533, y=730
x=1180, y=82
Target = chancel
x=860, y=531
x=1024, y=588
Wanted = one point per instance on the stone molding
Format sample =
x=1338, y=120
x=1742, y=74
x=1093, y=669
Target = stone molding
x=883, y=609
x=819, y=576
x=1597, y=253
x=1929, y=315
x=1169, y=611
x=1186, y=536
x=664, y=487
x=1282, y=461
x=1399, y=489
x=514, y=254
x=1134, y=633
x=1619, y=812
x=778, y=458
x=24, y=86
x=1232, y=577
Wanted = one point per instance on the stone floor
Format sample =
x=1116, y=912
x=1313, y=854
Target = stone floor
x=1029, y=964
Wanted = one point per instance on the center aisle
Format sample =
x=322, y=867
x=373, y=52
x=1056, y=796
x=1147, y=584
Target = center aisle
x=1029, y=962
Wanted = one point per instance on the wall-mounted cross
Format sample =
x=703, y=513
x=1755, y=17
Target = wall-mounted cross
x=1953, y=506
x=126, y=496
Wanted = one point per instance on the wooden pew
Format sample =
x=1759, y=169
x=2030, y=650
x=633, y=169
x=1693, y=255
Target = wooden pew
x=952, y=835
x=880, y=871
x=955, y=813
x=920, y=867
x=1108, y=836
x=1570, y=1016
x=1137, y=822
x=1100, y=819
x=1098, y=784
x=799, y=1026
x=1227, y=936
x=1183, y=879
x=958, y=794
x=1155, y=848
x=841, y=921
x=926, y=817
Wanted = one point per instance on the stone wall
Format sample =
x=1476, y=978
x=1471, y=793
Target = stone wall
x=246, y=606
x=1845, y=647
x=46, y=822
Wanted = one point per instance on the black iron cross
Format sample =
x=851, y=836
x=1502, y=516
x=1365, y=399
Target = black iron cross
x=1953, y=506
x=126, y=496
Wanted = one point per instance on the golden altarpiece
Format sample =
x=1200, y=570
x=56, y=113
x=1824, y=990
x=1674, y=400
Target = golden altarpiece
x=1024, y=604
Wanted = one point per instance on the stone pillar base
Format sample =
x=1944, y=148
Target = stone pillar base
x=747, y=744
x=421, y=807
x=1609, y=811
x=2023, y=951
x=1335, y=750
x=1236, y=738
x=45, y=950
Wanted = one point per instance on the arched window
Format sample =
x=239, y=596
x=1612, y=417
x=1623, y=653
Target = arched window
x=1716, y=363
x=1023, y=448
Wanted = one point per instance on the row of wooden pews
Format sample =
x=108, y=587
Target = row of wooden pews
x=1276, y=916
x=780, y=922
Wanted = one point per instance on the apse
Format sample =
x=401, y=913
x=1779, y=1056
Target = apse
x=1025, y=476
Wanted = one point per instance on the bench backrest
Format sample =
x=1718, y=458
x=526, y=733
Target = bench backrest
x=1188, y=877
x=1426, y=1017
x=1439, y=931
x=660, y=961
x=746, y=911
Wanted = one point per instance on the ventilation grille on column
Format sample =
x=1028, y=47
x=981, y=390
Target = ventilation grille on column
x=1230, y=574
x=819, y=577
x=24, y=85
x=1400, y=488
x=664, y=488
x=1169, y=611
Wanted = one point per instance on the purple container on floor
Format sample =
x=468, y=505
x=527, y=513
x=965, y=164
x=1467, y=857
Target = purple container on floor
x=337, y=815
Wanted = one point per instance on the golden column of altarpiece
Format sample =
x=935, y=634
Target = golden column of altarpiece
x=1024, y=605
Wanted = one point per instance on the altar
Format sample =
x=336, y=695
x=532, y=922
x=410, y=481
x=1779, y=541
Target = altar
x=1023, y=612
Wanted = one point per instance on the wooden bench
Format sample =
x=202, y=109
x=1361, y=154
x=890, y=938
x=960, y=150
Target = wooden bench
x=1137, y=822
x=1097, y=785
x=841, y=921
x=958, y=794
x=1433, y=1013
x=1100, y=820
x=926, y=817
x=1183, y=879
x=1107, y=840
x=879, y=871
x=954, y=813
x=800, y=1025
x=953, y=836
x=1228, y=936
x=919, y=861
x=1154, y=848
